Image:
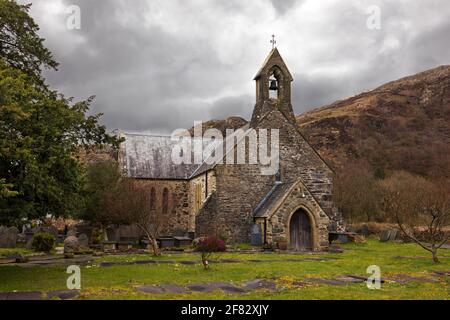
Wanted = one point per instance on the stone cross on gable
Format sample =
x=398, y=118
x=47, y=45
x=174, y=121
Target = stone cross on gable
x=273, y=41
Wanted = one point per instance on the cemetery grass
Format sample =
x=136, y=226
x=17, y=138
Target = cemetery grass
x=120, y=282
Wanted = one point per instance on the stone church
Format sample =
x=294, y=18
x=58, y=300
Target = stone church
x=235, y=200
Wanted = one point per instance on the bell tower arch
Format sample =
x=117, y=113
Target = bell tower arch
x=273, y=87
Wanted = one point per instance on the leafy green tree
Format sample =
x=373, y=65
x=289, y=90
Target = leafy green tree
x=102, y=179
x=41, y=134
x=5, y=190
x=20, y=45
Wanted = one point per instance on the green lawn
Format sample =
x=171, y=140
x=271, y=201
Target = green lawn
x=118, y=282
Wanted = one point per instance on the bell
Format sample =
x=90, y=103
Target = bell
x=273, y=85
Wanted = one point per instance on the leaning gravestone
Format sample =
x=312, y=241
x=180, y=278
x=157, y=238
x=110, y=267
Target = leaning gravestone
x=393, y=234
x=83, y=240
x=8, y=237
x=388, y=235
x=71, y=245
x=385, y=235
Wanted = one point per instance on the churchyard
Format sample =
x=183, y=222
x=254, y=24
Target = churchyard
x=243, y=272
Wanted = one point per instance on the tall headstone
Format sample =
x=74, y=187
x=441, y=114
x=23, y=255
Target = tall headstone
x=8, y=237
x=256, y=235
x=83, y=240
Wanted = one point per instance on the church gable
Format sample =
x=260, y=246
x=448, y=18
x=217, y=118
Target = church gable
x=293, y=146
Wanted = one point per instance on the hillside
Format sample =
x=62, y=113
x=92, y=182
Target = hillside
x=404, y=124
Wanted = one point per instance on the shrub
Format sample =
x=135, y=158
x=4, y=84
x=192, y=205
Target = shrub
x=207, y=246
x=43, y=242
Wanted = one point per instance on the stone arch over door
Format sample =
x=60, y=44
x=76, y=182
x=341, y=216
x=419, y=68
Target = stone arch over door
x=302, y=230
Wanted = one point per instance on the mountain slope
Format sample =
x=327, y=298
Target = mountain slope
x=402, y=125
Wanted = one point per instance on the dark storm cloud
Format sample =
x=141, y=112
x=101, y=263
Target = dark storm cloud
x=238, y=106
x=160, y=65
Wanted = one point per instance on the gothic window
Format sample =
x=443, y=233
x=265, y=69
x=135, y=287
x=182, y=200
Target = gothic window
x=152, y=198
x=198, y=197
x=165, y=201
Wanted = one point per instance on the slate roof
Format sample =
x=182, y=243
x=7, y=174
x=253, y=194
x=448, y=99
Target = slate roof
x=271, y=201
x=150, y=157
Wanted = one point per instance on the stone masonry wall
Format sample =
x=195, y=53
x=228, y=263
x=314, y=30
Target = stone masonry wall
x=278, y=224
x=179, y=214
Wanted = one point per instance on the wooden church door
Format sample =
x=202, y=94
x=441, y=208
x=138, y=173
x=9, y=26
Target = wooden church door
x=300, y=231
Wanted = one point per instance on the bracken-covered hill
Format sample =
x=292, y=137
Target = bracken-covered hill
x=402, y=125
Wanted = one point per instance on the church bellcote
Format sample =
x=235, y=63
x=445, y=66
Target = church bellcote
x=273, y=88
x=273, y=80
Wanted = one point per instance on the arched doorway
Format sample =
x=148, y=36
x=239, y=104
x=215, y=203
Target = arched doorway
x=300, y=231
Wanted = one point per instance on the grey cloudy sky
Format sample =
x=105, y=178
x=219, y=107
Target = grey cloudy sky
x=158, y=65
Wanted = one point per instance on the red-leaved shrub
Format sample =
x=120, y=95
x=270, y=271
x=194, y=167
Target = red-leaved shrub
x=208, y=246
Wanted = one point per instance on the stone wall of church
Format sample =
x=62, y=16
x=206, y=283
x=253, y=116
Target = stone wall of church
x=299, y=160
x=179, y=209
x=200, y=188
x=239, y=190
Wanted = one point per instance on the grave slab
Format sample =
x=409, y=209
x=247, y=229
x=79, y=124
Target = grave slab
x=325, y=281
x=63, y=294
x=259, y=284
x=200, y=287
x=24, y=296
x=150, y=289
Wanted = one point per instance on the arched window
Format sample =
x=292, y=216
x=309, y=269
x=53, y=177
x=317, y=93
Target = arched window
x=273, y=87
x=152, y=198
x=198, y=197
x=165, y=201
x=275, y=82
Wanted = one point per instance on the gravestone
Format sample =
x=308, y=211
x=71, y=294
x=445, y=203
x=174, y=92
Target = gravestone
x=393, y=234
x=389, y=235
x=8, y=237
x=112, y=234
x=29, y=244
x=83, y=240
x=71, y=245
x=256, y=235
x=385, y=235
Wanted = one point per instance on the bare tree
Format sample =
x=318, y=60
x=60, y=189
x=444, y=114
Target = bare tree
x=421, y=209
x=357, y=193
x=131, y=204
